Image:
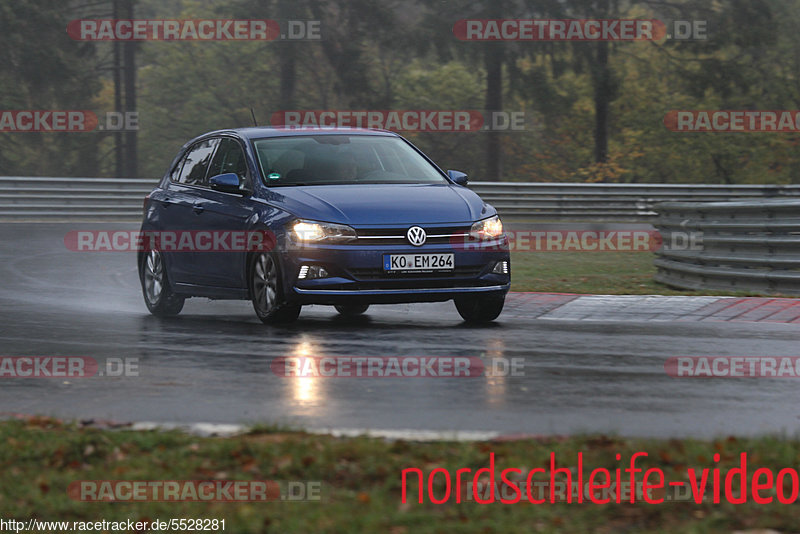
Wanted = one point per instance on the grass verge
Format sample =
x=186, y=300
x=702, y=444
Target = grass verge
x=600, y=273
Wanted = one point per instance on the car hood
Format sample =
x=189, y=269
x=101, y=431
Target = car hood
x=382, y=204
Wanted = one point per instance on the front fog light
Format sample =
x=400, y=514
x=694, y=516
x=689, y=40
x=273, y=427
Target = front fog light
x=311, y=272
x=501, y=267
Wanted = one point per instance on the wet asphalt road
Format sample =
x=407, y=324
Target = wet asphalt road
x=212, y=363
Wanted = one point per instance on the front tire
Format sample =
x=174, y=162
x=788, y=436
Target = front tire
x=351, y=310
x=480, y=309
x=266, y=291
x=158, y=296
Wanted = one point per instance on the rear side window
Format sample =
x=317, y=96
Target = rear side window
x=196, y=162
x=229, y=158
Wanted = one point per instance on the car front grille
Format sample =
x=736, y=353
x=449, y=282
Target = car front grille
x=397, y=236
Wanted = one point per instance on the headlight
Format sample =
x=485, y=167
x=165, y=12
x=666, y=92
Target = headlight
x=490, y=228
x=312, y=231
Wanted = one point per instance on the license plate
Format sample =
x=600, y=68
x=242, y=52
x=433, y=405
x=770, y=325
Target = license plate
x=418, y=262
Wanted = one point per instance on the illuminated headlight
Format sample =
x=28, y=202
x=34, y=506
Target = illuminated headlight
x=312, y=231
x=490, y=228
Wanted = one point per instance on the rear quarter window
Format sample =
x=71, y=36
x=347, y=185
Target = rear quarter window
x=194, y=165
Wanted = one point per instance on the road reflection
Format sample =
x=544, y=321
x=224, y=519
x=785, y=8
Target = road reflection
x=306, y=390
x=496, y=379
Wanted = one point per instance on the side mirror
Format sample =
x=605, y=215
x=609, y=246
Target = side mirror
x=227, y=183
x=458, y=177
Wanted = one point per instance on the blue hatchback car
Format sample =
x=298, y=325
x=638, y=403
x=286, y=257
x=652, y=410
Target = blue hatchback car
x=353, y=217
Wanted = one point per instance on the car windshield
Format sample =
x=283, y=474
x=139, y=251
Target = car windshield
x=342, y=159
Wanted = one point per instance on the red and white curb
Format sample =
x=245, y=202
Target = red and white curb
x=636, y=308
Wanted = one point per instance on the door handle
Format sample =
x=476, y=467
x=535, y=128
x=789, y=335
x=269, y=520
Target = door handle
x=198, y=209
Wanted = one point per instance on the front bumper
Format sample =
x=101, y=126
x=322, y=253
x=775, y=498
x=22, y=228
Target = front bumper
x=356, y=275
x=392, y=296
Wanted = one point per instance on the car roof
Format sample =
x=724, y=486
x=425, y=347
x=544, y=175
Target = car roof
x=259, y=132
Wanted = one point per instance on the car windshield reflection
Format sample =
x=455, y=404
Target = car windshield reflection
x=342, y=159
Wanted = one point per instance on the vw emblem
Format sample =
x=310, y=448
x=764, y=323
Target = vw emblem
x=416, y=236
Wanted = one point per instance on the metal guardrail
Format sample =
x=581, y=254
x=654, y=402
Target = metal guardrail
x=516, y=200
x=24, y=198
x=736, y=246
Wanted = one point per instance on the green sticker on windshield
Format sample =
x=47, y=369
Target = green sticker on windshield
x=274, y=176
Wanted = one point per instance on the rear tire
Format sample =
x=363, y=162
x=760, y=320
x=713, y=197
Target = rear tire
x=481, y=309
x=351, y=310
x=158, y=296
x=266, y=291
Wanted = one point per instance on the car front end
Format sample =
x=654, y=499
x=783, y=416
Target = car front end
x=341, y=264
